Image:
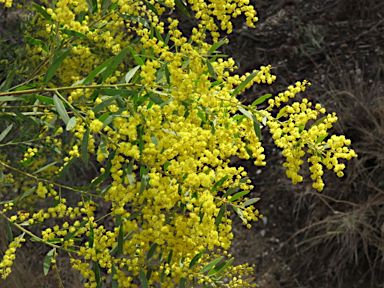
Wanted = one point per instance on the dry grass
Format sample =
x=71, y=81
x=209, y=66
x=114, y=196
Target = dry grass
x=357, y=9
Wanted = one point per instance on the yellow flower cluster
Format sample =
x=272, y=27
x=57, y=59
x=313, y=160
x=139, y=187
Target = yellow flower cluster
x=29, y=154
x=296, y=141
x=9, y=257
x=7, y=3
x=166, y=131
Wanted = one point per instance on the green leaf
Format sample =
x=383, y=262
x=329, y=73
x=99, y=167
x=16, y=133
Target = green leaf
x=137, y=58
x=153, y=8
x=25, y=194
x=297, y=144
x=261, y=99
x=154, y=140
x=9, y=230
x=5, y=132
x=91, y=236
x=170, y=256
x=71, y=123
x=225, y=266
x=103, y=117
x=8, y=82
x=249, y=280
x=244, y=180
x=120, y=241
x=81, y=16
x=46, y=100
x=219, y=183
x=11, y=98
x=84, y=147
x=133, y=216
x=320, y=121
x=103, y=146
x=42, y=12
x=61, y=109
x=238, y=195
x=143, y=279
x=136, y=19
x=26, y=87
x=182, y=282
x=201, y=116
x=256, y=127
x=2, y=178
x=256, y=123
x=66, y=167
x=94, y=6
x=149, y=273
x=114, y=249
x=162, y=276
x=209, y=266
x=216, y=45
x=167, y=75
x=216, y=83
x=37, y=42
x=241, y=215
x=245, y=112
x=166, y=165
x=196, y=258
x=24, y=118
x=301, y=128
x=182, y=8
x=230, y=191
x=156, y=99
x=96, y=72
x=243, y=84
x=151, y=251
x=48, y=260
x=211, y=70
x=171, y=132
x=281, y=112
x=104, y=104
x=113, y=7
x=131, y=179
x=318, y=140
x=96, y=270
x=160, y=257
x=35, y=239
x=115, y=284
x=144, y=182
x=220, y=215
x=115, y=63
x=217, y=268
x=73, y=33
x=250, y=202
x=130, y=74
x=158, y=35
x=55, y=65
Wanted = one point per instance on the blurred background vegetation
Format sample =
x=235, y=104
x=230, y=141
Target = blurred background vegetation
x=306, y=239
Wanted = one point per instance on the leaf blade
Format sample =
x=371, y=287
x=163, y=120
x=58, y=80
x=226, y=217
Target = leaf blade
x=48, y=260
x=61, y=109
x=5, y=132
x=55, y=65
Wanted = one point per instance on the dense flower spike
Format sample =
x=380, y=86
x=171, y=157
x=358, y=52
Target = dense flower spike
x=159, y=113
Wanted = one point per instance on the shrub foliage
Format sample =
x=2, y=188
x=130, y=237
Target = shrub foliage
x=117, y=132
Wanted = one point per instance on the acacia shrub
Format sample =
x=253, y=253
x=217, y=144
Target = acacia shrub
x=159, y=114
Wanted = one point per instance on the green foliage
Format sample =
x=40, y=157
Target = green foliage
x=155, y=140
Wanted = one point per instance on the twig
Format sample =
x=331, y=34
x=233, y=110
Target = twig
x=367, y=31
